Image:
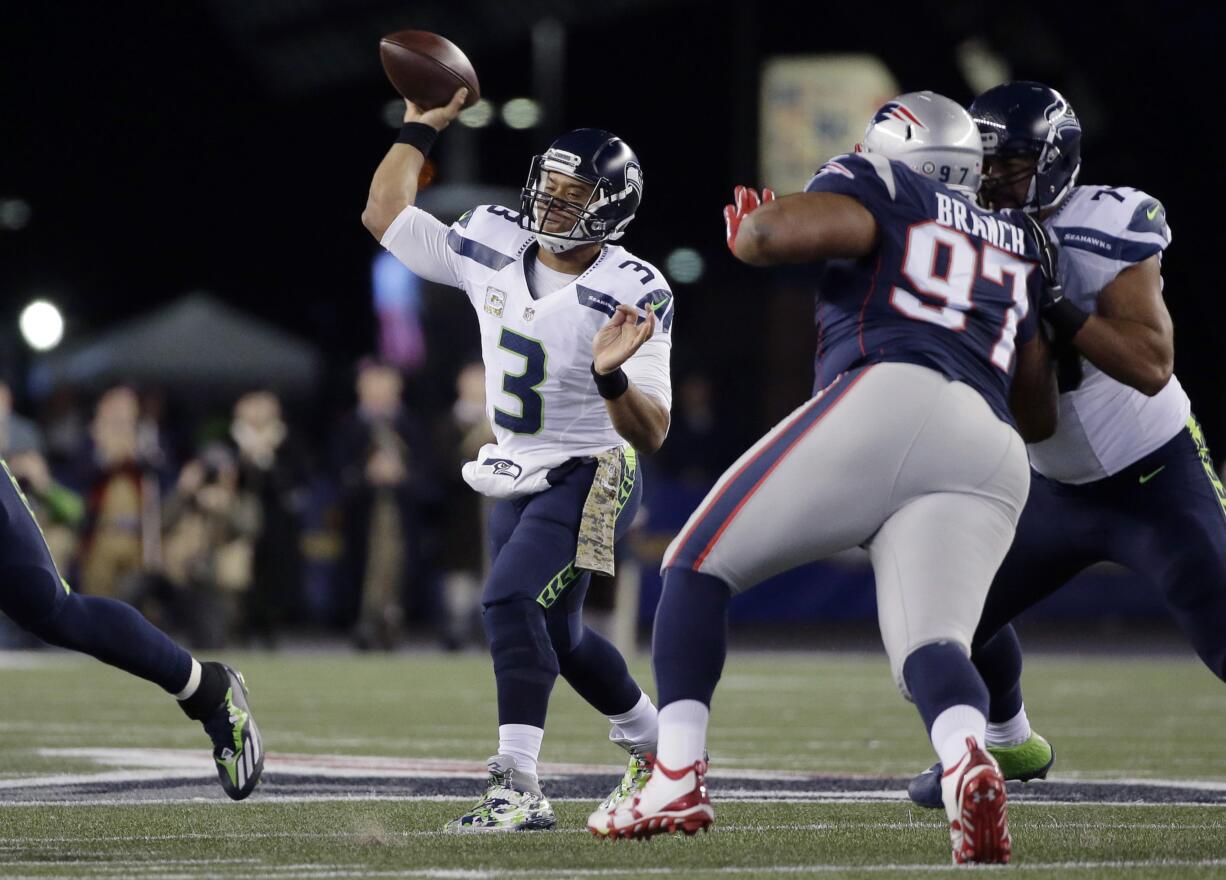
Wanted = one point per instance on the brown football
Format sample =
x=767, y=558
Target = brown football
x=427, y=68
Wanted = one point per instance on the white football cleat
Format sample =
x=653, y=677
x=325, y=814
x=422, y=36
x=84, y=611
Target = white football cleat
x=973, y=791
x=671, y=800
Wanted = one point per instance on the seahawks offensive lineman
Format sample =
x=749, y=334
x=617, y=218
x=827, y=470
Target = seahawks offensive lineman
x=576, y=337
x=908, y=448
x=1127, y=477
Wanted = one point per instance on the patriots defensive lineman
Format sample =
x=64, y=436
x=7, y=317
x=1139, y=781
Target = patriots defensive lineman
x=36, y=597
x=576, y=337
x=1127, y=477
x=926, y=341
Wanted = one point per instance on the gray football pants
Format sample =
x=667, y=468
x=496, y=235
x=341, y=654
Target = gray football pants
x=892, y=457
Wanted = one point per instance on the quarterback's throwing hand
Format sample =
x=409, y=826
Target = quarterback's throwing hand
x=440, y=117
x=617, y=340
x=744, y=202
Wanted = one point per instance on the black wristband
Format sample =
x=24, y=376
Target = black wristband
x=611, y=385
x=1065, y=318
x=419, y=135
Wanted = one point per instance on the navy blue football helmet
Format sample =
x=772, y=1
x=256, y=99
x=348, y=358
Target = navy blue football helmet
x=593, y=156
x=1029, y=120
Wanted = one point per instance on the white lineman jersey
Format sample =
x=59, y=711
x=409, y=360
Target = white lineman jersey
x=1105, y=425
x=541, y=399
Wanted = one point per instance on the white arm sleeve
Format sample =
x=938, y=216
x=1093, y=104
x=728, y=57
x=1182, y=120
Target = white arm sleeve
x=648, y=368
x=420, y=242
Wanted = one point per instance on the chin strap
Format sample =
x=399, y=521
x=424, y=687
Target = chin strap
x=556, y=245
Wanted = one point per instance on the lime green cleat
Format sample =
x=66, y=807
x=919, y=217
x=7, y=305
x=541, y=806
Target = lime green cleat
x=1024, y=762
x=1029, y=760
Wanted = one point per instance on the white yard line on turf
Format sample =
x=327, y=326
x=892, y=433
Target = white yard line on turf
x=326, y=872
x=380, y=833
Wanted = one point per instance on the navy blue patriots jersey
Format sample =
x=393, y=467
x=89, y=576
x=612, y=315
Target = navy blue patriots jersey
x=949, y=286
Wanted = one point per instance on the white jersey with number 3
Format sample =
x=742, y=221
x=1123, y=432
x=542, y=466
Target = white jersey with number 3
x=541, y=399
x=1106, y=425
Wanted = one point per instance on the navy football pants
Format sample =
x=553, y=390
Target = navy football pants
x=1164, y=517
x=533, y=600
x=34, y=595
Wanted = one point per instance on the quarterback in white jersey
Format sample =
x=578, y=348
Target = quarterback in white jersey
x=1127, y=477
x=576, y=335
x=537, y=348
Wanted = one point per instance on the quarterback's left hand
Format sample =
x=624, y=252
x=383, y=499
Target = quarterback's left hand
x=745, y=202
x=617, y=340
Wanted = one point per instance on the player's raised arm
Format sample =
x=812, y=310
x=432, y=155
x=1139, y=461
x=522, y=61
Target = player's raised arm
x=394, y=186
x=636, y=416
x=799, y=228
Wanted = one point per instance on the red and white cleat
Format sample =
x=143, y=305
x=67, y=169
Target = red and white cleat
x=974, y=794
x=671, y=800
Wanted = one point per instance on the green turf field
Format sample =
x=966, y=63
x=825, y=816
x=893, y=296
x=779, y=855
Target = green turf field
x=820, y=716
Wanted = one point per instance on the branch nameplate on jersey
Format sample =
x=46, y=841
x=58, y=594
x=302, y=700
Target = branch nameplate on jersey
x=495, y=301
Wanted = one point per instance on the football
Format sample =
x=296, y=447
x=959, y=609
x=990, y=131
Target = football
x=427, y=68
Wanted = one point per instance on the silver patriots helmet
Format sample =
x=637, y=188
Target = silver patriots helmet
x=931, y=135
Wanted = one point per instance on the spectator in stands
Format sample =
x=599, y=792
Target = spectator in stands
x=59, y=510
x=209, y=544
x=382, y=459
x=114, y=543
x=272, y=474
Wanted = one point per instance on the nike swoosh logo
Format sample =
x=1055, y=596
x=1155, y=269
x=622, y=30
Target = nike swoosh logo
x=1153, y=212
x=656, y=306
x=1145, y=479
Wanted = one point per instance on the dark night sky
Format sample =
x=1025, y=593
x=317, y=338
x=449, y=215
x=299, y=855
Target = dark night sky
x=160, y=156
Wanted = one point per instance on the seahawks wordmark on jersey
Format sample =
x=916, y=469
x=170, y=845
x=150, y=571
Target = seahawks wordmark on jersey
x=949, y=286
x=1106, y=425
x=541, y=399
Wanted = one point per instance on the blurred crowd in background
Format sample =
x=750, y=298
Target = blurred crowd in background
x=241, y=528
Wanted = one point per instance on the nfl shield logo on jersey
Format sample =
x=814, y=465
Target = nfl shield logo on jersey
x=494, y=301
x=529, y=313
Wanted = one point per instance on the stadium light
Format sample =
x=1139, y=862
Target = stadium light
x=14, y=214
x=684, y=265
x=479, y=115
x=521, y=113
x=42, y=325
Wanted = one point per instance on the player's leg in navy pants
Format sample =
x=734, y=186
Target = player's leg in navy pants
x=533, y=604
x=1182, y=548
x=1171, y=529
x=1057, y=537
x=34, y=595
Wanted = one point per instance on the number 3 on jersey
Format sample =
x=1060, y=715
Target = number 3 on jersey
x=523, y=385
x=953, y=289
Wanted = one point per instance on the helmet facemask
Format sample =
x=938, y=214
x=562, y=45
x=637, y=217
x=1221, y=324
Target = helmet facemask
x=539, y=207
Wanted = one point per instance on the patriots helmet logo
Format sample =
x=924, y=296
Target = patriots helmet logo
x=896, y=110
